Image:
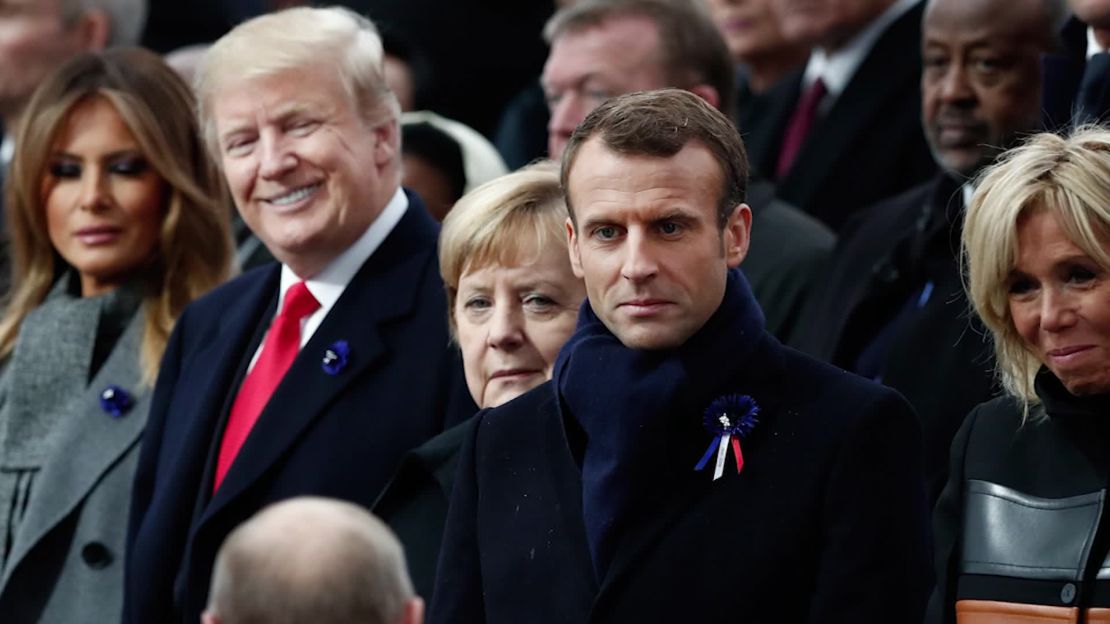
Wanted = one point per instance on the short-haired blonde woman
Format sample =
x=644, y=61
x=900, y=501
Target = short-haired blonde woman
x=513, y=301
x=1022, y=529
x=117, y=220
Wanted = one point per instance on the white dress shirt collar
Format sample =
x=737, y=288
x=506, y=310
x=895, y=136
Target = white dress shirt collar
x=328, y=285
x=7, y=150
x=1093, y=46
x=837, y=68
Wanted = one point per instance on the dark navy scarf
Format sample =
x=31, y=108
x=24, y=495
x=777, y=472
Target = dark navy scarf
x=632, y=403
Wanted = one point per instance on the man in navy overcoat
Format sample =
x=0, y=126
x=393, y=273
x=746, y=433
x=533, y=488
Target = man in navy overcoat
x=681, y=465
x=325, y=397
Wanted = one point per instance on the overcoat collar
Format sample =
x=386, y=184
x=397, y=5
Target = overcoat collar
x=94, y=442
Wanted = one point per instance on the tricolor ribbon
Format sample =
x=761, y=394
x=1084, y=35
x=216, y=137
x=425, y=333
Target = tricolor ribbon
x=729, y=418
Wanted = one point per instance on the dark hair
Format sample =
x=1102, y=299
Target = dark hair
x=660, y=123
x=692, y=48
x=438, y=149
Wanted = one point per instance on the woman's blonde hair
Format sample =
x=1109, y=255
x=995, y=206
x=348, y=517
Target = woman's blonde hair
x=194, y=249
x=1068, y=176
x=508, y=220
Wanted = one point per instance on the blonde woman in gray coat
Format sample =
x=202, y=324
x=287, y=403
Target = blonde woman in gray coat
x=117, y=219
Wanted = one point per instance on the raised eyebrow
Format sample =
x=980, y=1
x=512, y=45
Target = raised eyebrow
x=594, y=223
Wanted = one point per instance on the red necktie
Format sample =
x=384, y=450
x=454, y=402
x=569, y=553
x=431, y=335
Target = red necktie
x=800, y=123
x=283, y=340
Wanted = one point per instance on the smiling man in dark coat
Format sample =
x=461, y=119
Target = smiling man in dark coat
x=681, y=465
x=254, y=405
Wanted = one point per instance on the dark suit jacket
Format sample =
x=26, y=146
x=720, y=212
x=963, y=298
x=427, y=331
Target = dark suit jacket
x=938, y=357
x=1061, y=77
x=414, y=504
x=826, y=523
x=339, y=435
x=869, y=146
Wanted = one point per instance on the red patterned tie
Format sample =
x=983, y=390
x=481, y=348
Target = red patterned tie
x=283, y=340
x=800, y=123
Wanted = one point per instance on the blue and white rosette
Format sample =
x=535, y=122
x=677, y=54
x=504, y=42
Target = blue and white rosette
x=728, y=418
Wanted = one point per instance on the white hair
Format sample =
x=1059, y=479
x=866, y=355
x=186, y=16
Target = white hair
x=299, y=37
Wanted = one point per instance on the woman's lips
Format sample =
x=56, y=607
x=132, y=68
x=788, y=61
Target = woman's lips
x=1065, y=355
x=99, y=235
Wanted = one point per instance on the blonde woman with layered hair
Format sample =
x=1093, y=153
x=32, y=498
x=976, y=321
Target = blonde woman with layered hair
x=1036, y=238
x=117, y=220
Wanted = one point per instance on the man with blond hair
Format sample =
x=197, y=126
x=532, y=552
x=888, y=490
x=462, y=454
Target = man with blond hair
x=290, y=379
x=312, y=560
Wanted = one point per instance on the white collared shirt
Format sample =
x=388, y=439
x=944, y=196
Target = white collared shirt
x=1093, y=46
x=328, y=285
x=967, y=190
x=836, y=69
x=7, y=151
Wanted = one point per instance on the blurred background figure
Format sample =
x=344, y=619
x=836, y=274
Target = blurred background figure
x=112, y=200
x=1077, y=77
x=443, y=159
x=314, y=560
x=513, y=302
x=890, y=304
x=37, y=36
x=1035, y=244
x=846, y=131
x=762, y=54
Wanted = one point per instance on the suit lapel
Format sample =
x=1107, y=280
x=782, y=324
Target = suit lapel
x=92, y=442
x=381, y=290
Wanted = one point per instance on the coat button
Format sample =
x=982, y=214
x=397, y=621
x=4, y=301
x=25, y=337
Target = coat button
x=96, y=555
x=1067, y=594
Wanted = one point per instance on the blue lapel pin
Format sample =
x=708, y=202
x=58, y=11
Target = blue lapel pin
x=335, y=358
x=115, y=401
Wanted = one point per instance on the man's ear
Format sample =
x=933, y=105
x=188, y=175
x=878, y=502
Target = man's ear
x=414, y=611
x=707, y=93
x=737, y=235
x=572, y=249
x=387, y=145
x=94, y=30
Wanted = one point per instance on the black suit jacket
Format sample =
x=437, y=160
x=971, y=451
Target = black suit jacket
x=826, y=523
x=1061, y=78
x=339, y=435
x=938, y=357
x=869, y=146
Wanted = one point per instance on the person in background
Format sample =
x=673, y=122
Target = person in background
x=585, y=499
x=1035, y=244
x=603, y=48
x=846, y=129
x=1077, y=77
x=287, y=380
x=763, y=56
x=890, y=303
x=513, y=300
x=112, y=200
x=312, y=560
x=433, y=167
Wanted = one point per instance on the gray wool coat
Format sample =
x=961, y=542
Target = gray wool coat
x=66, y=561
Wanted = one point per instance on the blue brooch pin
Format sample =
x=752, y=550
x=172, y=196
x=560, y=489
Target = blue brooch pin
x=728, y=418
x=335, y=358
x=115, y=400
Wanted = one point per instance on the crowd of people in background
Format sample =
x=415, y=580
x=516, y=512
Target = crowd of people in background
x=583, y=311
